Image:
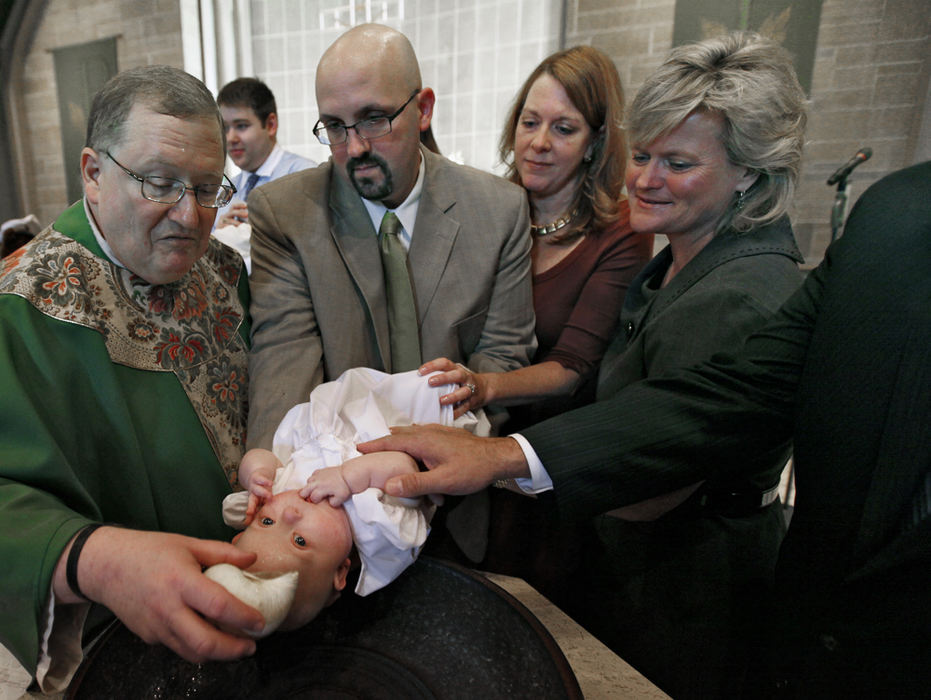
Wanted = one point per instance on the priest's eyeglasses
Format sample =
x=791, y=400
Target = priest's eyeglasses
x=334, y=133
x=168, y=190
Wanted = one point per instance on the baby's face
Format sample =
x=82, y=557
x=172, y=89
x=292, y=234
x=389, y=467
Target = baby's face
x=314, y=539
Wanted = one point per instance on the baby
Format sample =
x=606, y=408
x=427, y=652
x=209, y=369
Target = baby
x=313, y=498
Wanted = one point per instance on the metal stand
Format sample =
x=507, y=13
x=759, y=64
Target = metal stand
x=839, y=210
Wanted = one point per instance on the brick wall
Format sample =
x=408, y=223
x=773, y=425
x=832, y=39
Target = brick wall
x=869, y=88
x=148, y=32
x=870, y=85
x=637, y=34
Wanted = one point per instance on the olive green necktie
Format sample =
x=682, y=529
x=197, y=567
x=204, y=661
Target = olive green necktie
x=402, y=314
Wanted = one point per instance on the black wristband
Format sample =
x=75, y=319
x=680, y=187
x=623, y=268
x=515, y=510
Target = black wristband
x=71, y=566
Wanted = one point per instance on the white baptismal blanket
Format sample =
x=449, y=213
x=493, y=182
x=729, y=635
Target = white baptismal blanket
x=362, y=404
x=237, y=236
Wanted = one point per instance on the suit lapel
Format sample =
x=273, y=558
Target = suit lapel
x=431, y=244
x=434, y=234
x=356, y=240
x=776, y=237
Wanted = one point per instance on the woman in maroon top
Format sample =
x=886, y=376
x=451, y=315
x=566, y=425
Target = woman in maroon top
x=564, y=144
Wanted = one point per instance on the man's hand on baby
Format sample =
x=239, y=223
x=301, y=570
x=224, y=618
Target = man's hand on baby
x=459, y=462
x=329, y=484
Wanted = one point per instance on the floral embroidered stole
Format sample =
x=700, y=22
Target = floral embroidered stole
x=189, y=327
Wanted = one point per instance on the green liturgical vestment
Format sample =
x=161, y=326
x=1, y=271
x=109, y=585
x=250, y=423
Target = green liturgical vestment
x=122, y=402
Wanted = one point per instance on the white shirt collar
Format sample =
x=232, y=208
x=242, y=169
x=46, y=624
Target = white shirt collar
x=101, y=241
x=406, y=210
x=268, y=167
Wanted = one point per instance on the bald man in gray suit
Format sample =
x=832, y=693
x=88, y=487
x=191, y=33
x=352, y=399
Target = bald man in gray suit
x=318, y=289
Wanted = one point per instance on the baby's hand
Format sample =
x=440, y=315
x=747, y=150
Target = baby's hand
x=327, y=483
x=260, y=487
x=260, y=490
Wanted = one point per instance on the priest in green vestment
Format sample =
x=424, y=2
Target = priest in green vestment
x=123, y=341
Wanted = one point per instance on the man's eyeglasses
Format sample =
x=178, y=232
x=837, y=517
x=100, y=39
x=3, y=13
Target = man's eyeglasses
x=372, y=128
x=168, y=190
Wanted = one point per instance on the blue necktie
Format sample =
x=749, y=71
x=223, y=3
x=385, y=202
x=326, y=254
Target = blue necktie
x=250, y=183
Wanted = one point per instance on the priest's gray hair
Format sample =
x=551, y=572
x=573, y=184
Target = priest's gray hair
x=163, y=89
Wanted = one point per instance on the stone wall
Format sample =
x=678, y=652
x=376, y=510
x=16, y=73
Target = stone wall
x=869, y=88
x=147, y=32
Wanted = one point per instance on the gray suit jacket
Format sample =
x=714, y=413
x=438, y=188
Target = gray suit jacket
x=318, y=295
